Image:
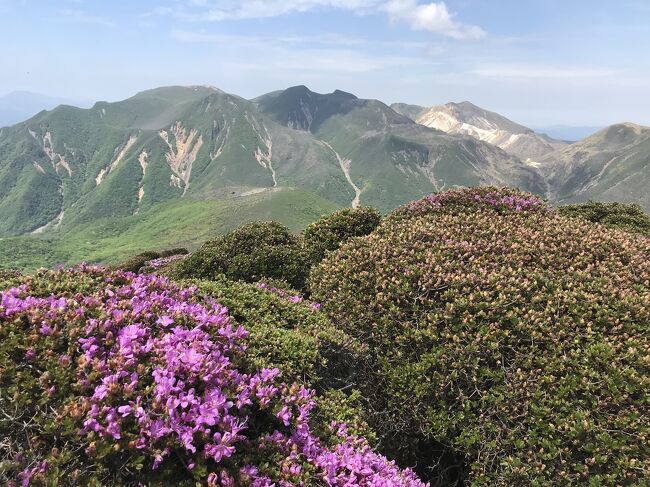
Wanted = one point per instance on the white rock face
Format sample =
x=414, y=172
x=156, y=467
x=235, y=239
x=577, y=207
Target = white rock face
x=467, y=119
x=184, y=146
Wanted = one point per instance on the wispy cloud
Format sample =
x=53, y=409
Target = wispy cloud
x=521, y=71
x=82, y=17
x=219, y=10
x=434, y=17
x=298, y=41
x=281, y=54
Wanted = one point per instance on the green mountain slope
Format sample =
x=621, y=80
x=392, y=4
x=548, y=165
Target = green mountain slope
x=72, y=166
x=611, y=165
x=187, y=223
x=175, y=164
x=388, y=158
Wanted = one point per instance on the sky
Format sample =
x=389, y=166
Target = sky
x=538, y=62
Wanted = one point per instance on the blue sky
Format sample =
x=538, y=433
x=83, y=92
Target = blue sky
x=539, y=62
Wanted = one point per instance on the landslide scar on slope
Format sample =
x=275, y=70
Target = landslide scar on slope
x=183, y=146
x=119, y=152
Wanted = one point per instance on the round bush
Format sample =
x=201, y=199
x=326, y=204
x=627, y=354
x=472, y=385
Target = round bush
x=118, y=379
x=511, y=339
x=615, y=215
x=253, y=251
x=331, y=231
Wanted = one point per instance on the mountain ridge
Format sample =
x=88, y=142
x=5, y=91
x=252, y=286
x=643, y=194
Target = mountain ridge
x=468, y=119
x=64, y=169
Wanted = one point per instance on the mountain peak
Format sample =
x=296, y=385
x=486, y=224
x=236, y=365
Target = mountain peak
x=298, y=90
x=344, y=94
x=465, y=118
x=300, y=108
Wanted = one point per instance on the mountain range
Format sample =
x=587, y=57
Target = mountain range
x=115, y=168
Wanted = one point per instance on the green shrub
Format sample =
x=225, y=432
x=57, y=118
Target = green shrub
x=627, y=217
x=331, y=231
x=253, y=251
x=8, y=277
x=289, y=335
x=509, y=339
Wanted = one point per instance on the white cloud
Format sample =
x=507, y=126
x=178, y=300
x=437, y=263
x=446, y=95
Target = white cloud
x=433, y=17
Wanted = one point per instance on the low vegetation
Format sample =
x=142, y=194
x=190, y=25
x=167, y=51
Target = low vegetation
x=510, y=340
x=250, y=253
x=328, y=233
x=627, y=217
x=152, y=259
x=478, y=336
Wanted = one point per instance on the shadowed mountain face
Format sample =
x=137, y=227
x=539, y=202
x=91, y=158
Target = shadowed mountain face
x=468, y=119
x=611, y=165
x=69, y=166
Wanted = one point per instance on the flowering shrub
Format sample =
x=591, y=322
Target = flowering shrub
x=501, y=200
x=292, y=296
x=331, y=231
x=249, y=253
x=117, y=378
x=510, y=339
x=155, y=264
x=616, y=215
x=140, y=261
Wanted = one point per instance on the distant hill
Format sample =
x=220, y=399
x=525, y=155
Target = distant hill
x=468, y=119
x=611, y=165
x=18, y=106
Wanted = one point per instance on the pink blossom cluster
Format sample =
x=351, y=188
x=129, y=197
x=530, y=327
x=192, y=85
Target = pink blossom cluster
x=294, y=298
x=501, y=198
x=165, y=261
x=161, y=372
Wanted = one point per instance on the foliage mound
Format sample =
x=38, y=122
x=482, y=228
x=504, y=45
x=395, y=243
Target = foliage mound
x=117, y=379
x=287, y=332
x=506, y=338
x=250, y=253
x=331, y=231
x=138, y=262
x=627, y=217
x=499, y=200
